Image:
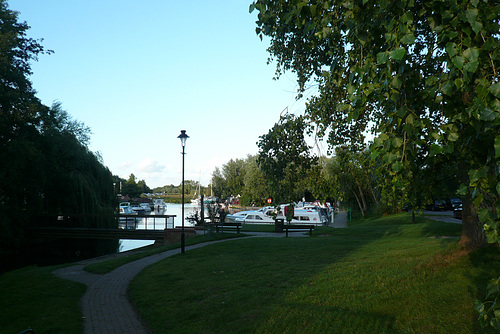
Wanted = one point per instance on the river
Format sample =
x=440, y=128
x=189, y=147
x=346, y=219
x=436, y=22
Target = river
x=159, y=224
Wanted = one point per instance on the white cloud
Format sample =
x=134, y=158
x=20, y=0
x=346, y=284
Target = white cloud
x=150, y=166
x=125, y=165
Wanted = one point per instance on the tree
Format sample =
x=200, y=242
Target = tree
x=132, y=187
x=18, y=103
x=49, y=169
x=256, y=189
x=424, y=72
x=219, y=186
x=352, y=178
x=234, y=172
x=285, y=158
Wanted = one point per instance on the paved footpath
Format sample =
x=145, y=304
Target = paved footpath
x=105, y=305
x=340, y=220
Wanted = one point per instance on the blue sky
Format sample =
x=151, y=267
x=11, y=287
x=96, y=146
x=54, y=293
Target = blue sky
x=137, y=73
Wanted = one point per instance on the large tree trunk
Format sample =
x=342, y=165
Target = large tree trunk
x=472, y=229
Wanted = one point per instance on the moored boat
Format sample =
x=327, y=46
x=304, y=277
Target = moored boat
x=266, y=215
x=126, y=215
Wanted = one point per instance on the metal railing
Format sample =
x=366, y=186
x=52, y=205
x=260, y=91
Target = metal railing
x=132, y=221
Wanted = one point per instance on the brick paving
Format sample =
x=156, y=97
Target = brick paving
x=105, y=305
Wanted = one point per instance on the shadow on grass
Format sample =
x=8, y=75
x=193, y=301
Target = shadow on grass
x=373, y=276
x=109, y=263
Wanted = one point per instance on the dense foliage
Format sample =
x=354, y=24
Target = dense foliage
x=47, y=168
x=421, y=75
x=285, y=158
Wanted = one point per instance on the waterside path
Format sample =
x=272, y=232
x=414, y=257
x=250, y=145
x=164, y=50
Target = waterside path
x=105, y=305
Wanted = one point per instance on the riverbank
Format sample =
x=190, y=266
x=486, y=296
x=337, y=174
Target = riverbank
x=389, y=272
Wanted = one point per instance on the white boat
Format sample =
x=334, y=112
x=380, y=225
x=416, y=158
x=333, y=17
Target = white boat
x=126, y=210
x=159, y=204
x=197, y=194
x=265, y=216
x=138, y=209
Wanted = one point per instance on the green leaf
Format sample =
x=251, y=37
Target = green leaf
x=389, y=37
x=397, y=166
x=483, y=214
x=382, y=58
x=350, y=89
x=435, y=135
x=448, y=88
x=453, y=136
x=408, y=39
x=487, y=115
x=495, y=89
x=458, y=61
x=383, y=137
x=435, y=149
x=462, y=190
x=409, y=119
x=396, y=82
x=472, y=66
x=390, y=157
x=497, y=148
x=397, y=54
x=471, y=54
x=397, y=142
x=471, y=15
x=478, y=199
x=450, y=49
x=476, y=174
x=476, y=26
x=363, y=37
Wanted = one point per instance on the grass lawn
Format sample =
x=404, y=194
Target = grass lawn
x=110, y=265
x=382, y=275
x=379, y=275
x=33, y=297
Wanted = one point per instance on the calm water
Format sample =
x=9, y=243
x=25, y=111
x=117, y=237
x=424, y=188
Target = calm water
x=159, y=224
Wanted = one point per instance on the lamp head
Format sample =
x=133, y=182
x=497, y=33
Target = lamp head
x=183, y=137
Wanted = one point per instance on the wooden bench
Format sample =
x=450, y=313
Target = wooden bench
x=228, y=224
x=298, y=227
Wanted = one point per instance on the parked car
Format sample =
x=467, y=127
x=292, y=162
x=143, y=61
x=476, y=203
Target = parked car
x=436, y=205
x=452, y=203
x=457, y=212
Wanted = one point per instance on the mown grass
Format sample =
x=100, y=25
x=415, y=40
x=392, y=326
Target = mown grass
x=33, y=297
x=110, y=265
x=382, y=275
x=107, y=266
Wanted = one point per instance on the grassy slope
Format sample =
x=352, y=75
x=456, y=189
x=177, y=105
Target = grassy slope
x=32, y=297
x=380, y=275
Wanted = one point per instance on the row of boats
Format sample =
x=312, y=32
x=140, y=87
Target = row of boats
x=307, y=213
x=126, y=208
x=128, y=212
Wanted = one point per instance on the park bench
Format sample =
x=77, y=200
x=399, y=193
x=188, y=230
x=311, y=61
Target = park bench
x=293, y=227
x=227, y=224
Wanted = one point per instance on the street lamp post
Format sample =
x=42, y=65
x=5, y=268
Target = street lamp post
x=183, y=137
